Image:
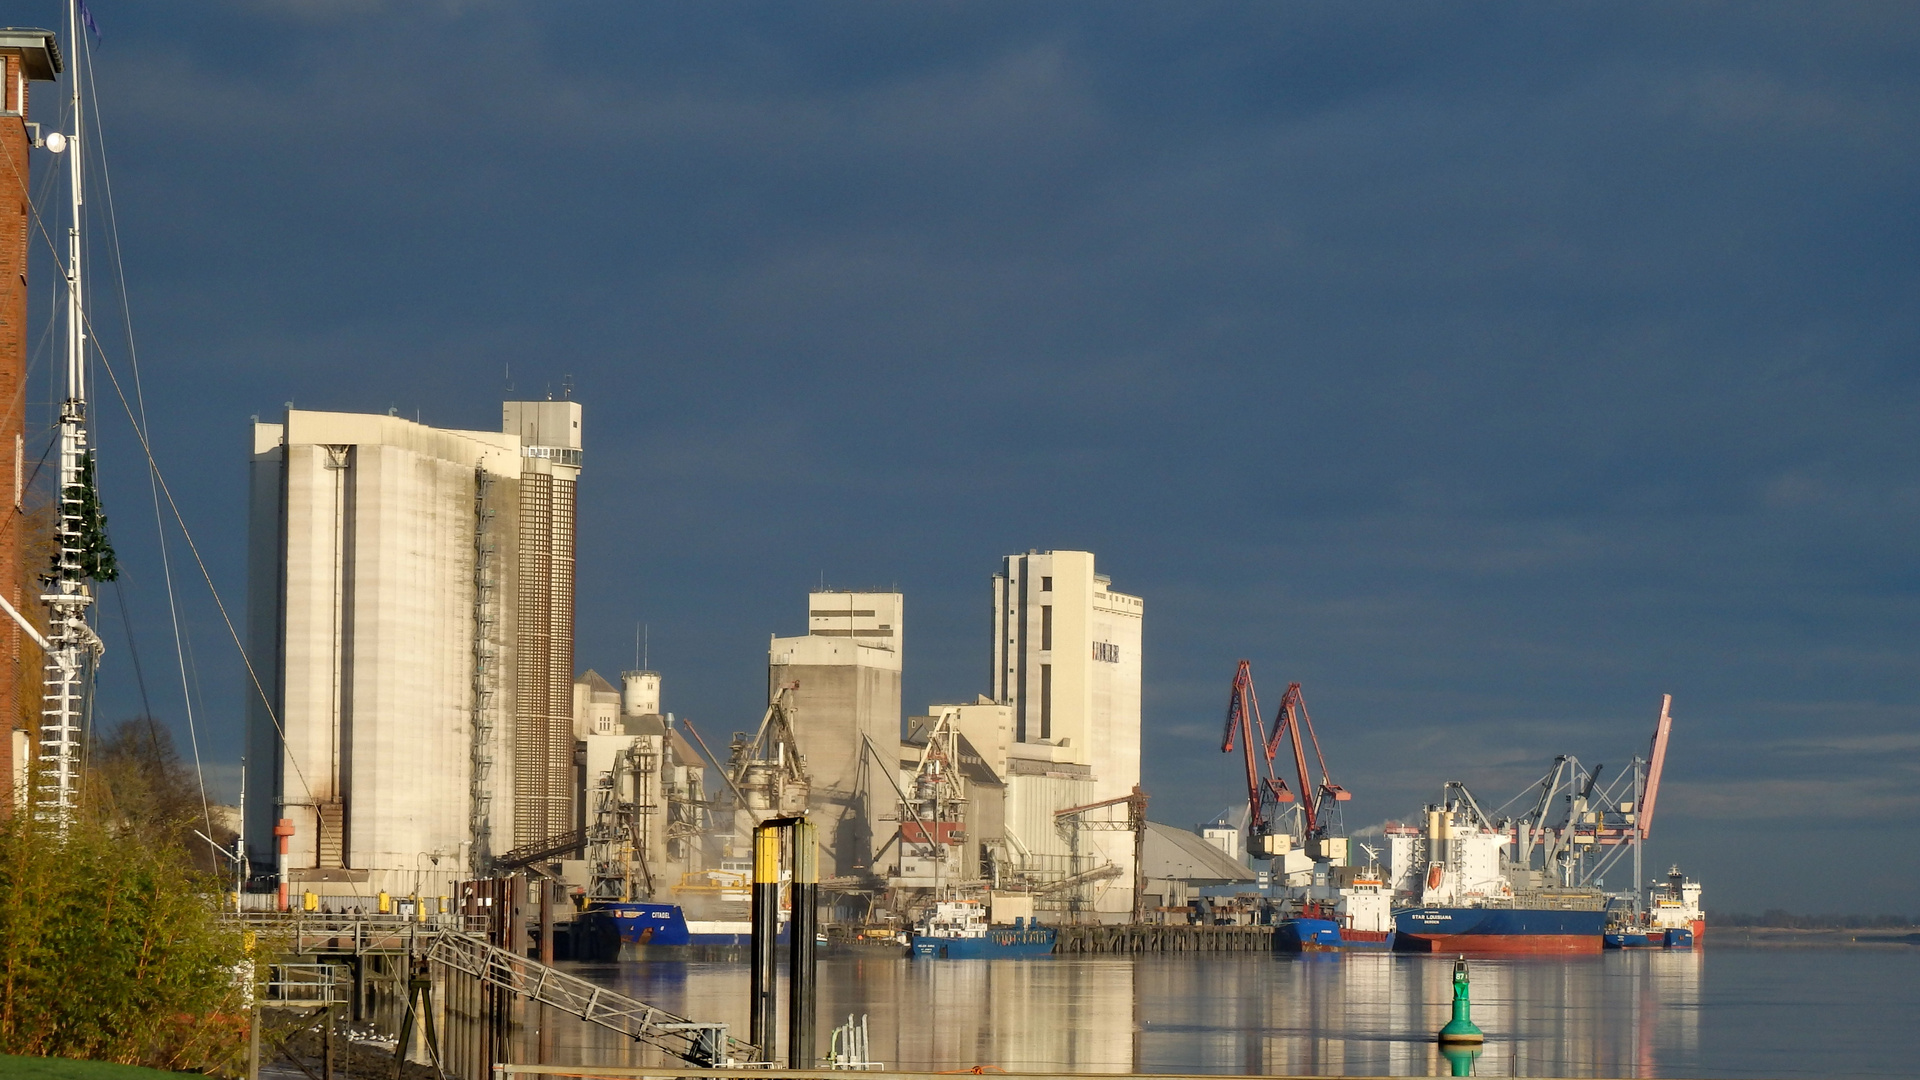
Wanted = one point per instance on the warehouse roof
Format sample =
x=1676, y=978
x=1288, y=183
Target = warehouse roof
x=1177, y=854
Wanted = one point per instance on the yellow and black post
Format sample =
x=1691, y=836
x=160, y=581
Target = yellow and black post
x=763, y=1014
x=769, y=840
x=801, y=929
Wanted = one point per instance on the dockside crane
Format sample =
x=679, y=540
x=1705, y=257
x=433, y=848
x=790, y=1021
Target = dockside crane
x=1265, y=790
x=1291, y=720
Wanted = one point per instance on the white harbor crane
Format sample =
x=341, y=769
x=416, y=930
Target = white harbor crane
x=1582, y=827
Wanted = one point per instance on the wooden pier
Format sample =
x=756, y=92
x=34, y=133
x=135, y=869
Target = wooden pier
x=1155, y=937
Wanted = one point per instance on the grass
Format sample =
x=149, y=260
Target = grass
x=44, y=1068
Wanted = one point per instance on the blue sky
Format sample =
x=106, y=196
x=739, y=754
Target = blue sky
x=1490, y=369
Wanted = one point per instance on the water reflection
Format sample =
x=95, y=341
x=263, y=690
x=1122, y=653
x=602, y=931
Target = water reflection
x=1621, y=1014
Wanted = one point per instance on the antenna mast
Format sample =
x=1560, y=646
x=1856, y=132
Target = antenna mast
x=75, y=647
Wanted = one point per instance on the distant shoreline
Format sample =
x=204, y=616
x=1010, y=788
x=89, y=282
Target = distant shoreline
x=1780, y=937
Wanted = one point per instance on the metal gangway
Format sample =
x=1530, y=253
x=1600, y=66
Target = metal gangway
x=452, y=942
x=704, y=1044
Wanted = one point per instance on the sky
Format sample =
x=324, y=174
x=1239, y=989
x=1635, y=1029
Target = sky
x=1489, y=369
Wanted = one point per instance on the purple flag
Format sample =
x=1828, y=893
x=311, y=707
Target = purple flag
x=86, y=17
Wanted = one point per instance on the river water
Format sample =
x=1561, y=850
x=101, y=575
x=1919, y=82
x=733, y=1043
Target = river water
x=1727, y=1012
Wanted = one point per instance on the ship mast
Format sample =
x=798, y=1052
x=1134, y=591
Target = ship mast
x=74, y=646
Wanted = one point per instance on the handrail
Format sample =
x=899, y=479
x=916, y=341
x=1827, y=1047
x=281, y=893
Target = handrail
x=445, y=941
x=704, y=1044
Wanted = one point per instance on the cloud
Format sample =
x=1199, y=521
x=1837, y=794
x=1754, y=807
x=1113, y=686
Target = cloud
x=1758, y=801
x=1490, y=373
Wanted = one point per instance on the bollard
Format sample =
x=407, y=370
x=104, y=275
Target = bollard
x=1460, y=1029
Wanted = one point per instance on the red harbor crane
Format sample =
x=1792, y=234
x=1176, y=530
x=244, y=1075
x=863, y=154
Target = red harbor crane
x=1266, y=790
x=1291, y=719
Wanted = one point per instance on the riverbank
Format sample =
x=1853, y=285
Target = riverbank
x=1778, y=937
x=46, y=1068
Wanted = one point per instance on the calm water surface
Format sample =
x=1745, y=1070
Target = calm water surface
x=1729, y=1012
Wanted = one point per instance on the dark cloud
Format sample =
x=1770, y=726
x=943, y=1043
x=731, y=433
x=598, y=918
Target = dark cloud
x=1491, y=370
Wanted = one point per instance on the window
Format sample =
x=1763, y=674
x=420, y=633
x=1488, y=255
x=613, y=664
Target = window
x=1046, y=584
x=1106, y=652
x=1046, y=626
x=1046, y=701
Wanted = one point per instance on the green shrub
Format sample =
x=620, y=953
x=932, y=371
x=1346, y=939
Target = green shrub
x=111, y=948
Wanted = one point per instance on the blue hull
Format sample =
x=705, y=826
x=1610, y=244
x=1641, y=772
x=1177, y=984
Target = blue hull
x=999, y=944
x=1476, y=929
x=1676, y=938
x=1323, y=935
x=644, y=922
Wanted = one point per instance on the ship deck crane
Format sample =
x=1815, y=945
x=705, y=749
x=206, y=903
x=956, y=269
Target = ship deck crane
x=1583, y=827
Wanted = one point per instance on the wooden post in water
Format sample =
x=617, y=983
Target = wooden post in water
x=546, y=922
x=253, y=1044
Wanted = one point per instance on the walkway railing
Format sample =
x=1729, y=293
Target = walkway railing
x=310, y=932
x=689, y=1040
x=450, y=941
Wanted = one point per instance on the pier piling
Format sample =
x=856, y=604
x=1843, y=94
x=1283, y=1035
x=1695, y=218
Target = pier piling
x=800, y=946
x=763, y=1015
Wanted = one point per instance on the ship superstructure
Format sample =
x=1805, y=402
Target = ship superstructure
x=1672, y=919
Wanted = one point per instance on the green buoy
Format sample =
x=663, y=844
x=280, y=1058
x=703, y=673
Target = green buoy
x=1460, y=1029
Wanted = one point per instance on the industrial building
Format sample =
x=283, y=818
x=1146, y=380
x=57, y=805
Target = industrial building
x=1066, y=663
x=26, y=57
x=643, y=791
x=410, y=626
x=841, y=682
x=1180, y=863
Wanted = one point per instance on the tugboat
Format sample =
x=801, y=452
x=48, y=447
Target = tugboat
x=1673, y=921
x=958, y=930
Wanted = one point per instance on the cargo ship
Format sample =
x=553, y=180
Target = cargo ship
x=958, y=930
x=1346, y=908
x=1457, y=893
x=648, y=922
x=1673, y=919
